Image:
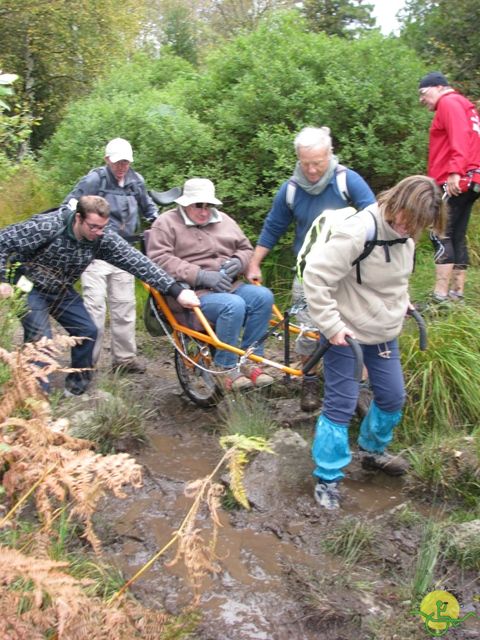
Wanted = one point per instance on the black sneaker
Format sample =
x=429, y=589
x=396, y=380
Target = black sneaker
x=326, y=494
x=391, y=465
x=309, y=394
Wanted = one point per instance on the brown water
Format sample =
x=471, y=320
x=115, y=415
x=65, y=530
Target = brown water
x=250, y=598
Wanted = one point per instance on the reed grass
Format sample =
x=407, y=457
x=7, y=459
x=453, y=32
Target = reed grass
x=352, y=540
x=427, y=558
x=447, y=468
x=246, y=415
x=442, y=382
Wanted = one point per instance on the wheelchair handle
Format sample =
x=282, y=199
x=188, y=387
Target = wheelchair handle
x=164, y=198
x=323, y=348
x=422, y=328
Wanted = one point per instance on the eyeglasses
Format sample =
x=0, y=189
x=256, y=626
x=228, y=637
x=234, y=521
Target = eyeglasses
x=424, y=90
x=314, y=164
x=202, y=205
x=95, y=227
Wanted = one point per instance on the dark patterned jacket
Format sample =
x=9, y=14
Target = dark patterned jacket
x=126, y=203
x=53, y=259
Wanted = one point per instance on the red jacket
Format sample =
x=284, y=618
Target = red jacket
x=454, y=138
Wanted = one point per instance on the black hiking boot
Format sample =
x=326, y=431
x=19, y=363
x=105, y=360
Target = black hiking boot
x=365, y=397
x=309, y=395
x=391, y=465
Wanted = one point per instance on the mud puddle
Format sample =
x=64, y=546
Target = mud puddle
x=250, y=598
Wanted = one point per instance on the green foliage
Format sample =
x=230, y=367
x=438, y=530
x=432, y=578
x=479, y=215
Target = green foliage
x=442, y=382
x=235, y=119
x=60, y=47
x=15, y=126
x=344, y=18
x=447, y=467
x=118, y=420
x=167, y=141
x=446, y=36
x=247, y=416
x=179, y=31
x=352, y=539
x=25, y=191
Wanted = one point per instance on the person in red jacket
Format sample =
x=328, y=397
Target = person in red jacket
x=454, y=163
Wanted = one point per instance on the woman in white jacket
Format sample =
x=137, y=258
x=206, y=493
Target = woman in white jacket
x=372, y=312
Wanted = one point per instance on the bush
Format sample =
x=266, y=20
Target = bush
x=235, y=119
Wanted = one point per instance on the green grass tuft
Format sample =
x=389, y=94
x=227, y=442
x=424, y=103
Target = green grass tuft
x=246, y=415
x=352, y=539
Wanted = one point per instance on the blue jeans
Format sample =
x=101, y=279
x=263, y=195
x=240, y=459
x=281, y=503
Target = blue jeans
x=69, y=311
x=248, y=307
x=341, y=389
x=330, y=449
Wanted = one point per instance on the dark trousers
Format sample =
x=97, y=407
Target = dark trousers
x=452, y=249
x=341, y=389
x=69, y=311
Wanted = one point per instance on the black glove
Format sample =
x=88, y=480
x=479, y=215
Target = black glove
x=232, y=267
x=214, y=280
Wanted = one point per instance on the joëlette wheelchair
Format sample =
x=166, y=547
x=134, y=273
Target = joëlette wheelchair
x=194, y=339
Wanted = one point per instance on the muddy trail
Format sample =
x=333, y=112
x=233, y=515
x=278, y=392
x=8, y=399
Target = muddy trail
x=280, y=576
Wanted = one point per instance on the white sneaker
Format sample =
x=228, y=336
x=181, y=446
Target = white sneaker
x=327, y=495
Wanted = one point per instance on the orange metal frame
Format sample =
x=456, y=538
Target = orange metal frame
x=208, y=335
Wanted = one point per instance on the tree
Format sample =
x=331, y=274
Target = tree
x=229, y=17
x=173, y=24
x=59, y=47
x=234, y=119
x=344, y=18
x=15, y=126
x=445, y=34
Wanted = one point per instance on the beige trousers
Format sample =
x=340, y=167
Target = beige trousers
x=102, y=282
x=304, y=346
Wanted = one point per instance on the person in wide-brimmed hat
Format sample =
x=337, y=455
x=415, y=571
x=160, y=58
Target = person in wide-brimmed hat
x=205, y=248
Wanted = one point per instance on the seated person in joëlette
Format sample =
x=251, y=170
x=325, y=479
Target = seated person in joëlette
x=202, y=246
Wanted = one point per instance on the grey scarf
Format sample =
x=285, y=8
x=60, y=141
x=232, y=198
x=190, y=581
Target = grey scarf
x=314, y=188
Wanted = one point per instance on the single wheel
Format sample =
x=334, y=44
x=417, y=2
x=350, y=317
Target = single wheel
x=199, y=385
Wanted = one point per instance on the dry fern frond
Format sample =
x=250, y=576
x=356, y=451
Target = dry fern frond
x=81, y=476
x=57, y=601
x=31, y=363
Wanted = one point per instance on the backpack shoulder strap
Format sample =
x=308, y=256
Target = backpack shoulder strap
x=341, y=177
x=102, y=174
x=290, y=193
x=371, y=243
x=319, y=232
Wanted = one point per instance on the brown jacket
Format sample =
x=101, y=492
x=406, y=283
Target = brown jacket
x=183, y=250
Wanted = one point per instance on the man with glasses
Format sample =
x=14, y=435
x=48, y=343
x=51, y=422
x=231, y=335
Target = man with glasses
x=125, y=191
x=316, y=186
x=202, y=246
x=50, y=252
x=454, y=163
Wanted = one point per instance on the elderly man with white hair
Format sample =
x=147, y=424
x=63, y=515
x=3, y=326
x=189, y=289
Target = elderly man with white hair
x=318, y=183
